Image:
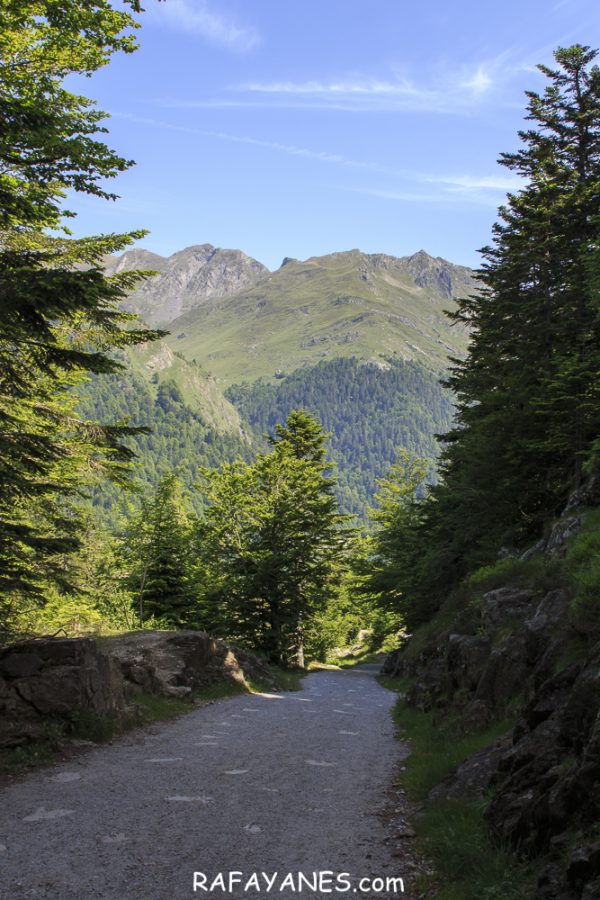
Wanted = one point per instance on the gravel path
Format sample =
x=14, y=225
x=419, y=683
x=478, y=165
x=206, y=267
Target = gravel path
x=269, y=783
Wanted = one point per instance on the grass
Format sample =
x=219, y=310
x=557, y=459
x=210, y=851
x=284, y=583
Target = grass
x=269, y=326
x=16, y=760
x=469, y=864
x=437, y=748
x=582, y=563
x=285, y=679
x=398, y=683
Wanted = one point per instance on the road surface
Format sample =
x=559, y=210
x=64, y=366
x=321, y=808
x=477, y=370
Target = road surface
x=279, y=784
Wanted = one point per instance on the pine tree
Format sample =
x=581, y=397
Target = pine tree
x=159, y=545
x=528, y=391
x=60, y=313
x=387, y=563
x=273, y=532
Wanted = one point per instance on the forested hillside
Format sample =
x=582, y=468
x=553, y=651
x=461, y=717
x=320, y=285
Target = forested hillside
x=372, y=410
x=180, y=437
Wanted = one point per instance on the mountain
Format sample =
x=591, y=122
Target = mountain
x=359, y=339
x=185, y=280
x=242, y=322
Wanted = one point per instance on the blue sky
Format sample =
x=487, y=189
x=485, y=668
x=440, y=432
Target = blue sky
x=288, y=128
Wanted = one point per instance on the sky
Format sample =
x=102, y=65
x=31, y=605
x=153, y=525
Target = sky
x=288, y=128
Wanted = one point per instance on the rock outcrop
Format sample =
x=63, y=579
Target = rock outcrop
x=56, y=680
x=521, y=656
x=185, y=280
x=176, y=663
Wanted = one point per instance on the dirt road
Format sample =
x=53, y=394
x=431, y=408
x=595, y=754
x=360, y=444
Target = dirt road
x=273, y=783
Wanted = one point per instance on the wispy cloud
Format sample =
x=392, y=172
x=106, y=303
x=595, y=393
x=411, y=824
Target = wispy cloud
x=197, y=17
x=486, y=189
x=450, y=92
x=439, y=197
x=289, y=149
x=477, y=182
x=353, y=88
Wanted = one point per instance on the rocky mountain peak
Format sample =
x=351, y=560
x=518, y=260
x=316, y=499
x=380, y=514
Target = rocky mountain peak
x=436, y=273
x=187, y=279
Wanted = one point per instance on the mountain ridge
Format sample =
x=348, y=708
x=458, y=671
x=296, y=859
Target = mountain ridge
x=240, y=321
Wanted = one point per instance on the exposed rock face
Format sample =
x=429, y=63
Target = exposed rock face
x=54, y=679
x=504, y=603
x=442, y=276
x=548, y=782
x=472, y=778
x=179, y=662
x=545, y=775
x=186, y=279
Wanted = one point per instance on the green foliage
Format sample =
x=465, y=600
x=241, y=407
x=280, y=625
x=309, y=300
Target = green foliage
x=60, y=314
x=391, y=551
x=175, y=436
x=538, y=573
x=159, y=550
x=271, y=542
x=582, y=564
x=528, y=402
x=370, y=410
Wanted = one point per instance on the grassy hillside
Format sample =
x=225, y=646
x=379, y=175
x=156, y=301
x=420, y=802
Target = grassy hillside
x=342, y=305
x=157, y=364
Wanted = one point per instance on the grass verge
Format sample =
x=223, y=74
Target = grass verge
x=469, y=864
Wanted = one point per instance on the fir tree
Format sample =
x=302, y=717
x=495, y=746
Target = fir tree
x=273, y=533
x=528, y=392
x=159, y=547
x=60, y=314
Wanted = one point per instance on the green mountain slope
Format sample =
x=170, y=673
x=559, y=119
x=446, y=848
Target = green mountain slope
x=157, y=364
x=345, y=304
x=358, y=339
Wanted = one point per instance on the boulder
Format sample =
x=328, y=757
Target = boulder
x=176, y=663
x=54, y=679
x=505, y=603
x=466, y=659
